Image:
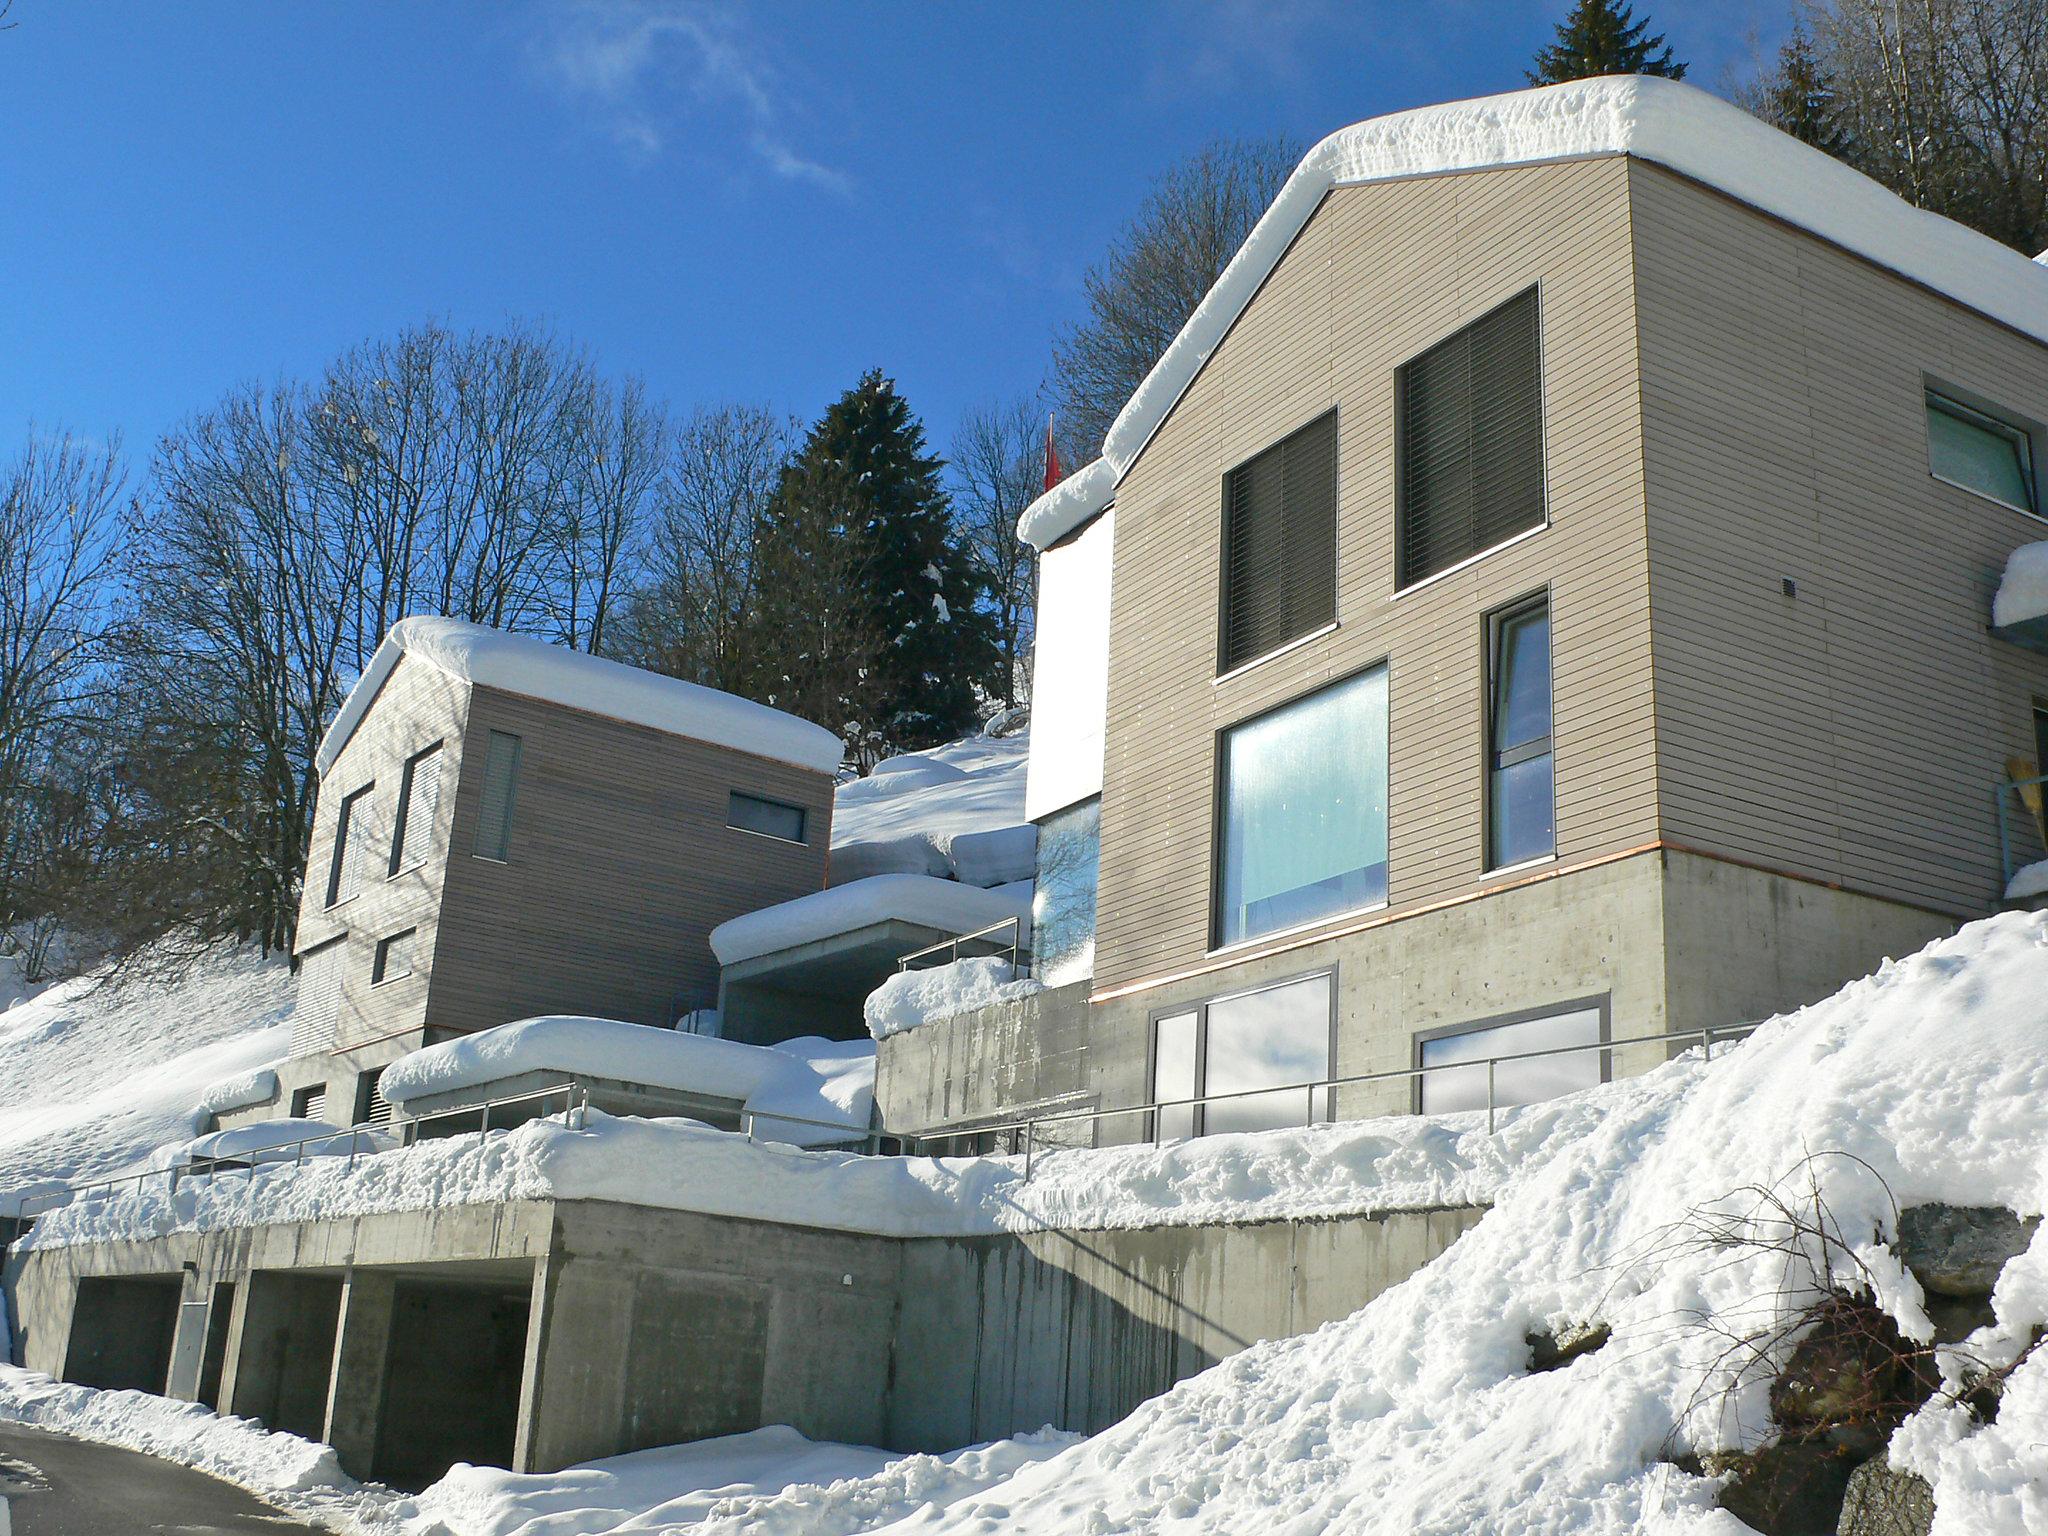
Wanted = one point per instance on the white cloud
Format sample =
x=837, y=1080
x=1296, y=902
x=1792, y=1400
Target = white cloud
x=639, y=65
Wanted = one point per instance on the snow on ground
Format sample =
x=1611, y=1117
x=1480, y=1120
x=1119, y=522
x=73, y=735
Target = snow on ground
x=1418, y=1415
x=1401, y=1162
x=771, y=1482
x=920, y=814
x=911, y=998
x=96, y=1077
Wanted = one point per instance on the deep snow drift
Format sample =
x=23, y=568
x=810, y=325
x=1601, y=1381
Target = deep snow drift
x=96, y=1078
x=954, y=812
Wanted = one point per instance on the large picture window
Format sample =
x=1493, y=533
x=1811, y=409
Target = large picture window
x=1302, y=818
x=1280, y=544
x=1981, y=453
x=1521, y=786
x=1461, y=1087
x=1063, y=901
x=1275, y=1039
x=1470, y=430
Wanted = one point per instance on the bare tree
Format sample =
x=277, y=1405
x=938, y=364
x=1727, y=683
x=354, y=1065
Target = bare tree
x=60, y=505
x=693, y=616
x=1156, y=271
x=997, y=466
x=1943, y=101
x=614, y=440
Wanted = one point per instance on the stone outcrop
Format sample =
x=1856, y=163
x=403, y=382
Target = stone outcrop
x=1881, y=1500
x=1552, y=1350
x=1958, y=1250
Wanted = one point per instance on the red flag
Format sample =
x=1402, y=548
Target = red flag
x=1053, y=473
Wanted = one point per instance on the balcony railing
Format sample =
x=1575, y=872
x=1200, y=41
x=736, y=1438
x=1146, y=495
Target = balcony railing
x=1005, y=939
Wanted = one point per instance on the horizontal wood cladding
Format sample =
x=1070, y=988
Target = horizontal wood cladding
x=418, y=706
x=1851, y=733
x=620, y=865
x=1378, y=275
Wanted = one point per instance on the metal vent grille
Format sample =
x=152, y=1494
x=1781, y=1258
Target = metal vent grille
x=1280, y=544
x=1471, y=438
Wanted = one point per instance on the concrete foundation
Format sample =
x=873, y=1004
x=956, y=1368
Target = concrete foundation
x=542, y=1334
x=1666, y=940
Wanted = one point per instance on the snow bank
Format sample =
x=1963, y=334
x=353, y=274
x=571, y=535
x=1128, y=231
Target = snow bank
x=1418, y=1415
x=1662, y=121
x=2023, y=589
x=244, y=1090
x=297, y=1476
x=808, y=1079
x=945, y=905
x=911, y=998
x=97, y=1077
x=912, y=813
x=534, y=669
x=771, y=1482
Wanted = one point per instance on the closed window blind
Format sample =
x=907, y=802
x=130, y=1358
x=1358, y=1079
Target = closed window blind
x=501, y=785
x=1280, y=544
x=1471, y=435
x=770, y=818
x=419, y=804
x=318, y=1008
x=351, y=836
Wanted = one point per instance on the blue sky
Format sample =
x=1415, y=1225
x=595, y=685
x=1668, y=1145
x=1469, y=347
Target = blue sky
x=733, y=201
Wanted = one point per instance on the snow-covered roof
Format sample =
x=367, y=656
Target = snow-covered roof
x=954, y=810
x=2023, y=588
x=945, y=905
x=1661, y=121
x=534, y=669
x=821, y=1080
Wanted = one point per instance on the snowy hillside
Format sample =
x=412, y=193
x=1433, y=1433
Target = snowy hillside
x=96, y=1077
x=909, y=814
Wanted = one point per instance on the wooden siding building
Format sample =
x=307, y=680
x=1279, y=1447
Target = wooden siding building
x=505, y=829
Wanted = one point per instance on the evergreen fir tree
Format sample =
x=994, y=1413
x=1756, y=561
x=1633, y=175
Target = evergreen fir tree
x=1800, y=98
x=924, y=617
x=1601, y=37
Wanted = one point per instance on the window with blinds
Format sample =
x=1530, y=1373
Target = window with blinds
x=1471, y=441
x=501, y=786
x=318, y=1008
x=393, y=957
x=1280, y=544
x=419, y=805
x=345, y=870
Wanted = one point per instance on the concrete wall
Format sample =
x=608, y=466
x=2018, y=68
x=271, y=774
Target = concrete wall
x=1038, y=1053
x=1005, y=1334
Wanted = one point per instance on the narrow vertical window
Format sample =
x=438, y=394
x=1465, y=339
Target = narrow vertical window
x=419, y=805
x=1063, y=900
x=1521, y=790
x=318, y=1010
x=1173, y=1075
x=345, y=870
x=501, y=786
x=1280, y=544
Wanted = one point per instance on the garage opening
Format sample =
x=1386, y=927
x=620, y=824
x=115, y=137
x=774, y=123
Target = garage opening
x=218, y=1316
x=452, y=1378
x=287, y=1356
x=121, y=1331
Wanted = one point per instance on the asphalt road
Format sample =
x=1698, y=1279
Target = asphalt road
x=56, y=1486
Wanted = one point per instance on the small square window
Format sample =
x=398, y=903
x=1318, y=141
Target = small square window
x=1979, y=452
x=770, y=818
x=310, y=1102
x=393, y=958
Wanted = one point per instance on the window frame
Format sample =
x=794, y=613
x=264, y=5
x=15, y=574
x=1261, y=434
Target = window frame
x=1494, y=625
x=1199, y=1007
x=1218, y=806
x=345, y=820
x=504, y=856
x=1225, y=668
x=402, y=818
x=1602, y=1002
x=803, y=812
x=379, y=977
x=302, y=1099
x=1972, y=410
x=1400, y=391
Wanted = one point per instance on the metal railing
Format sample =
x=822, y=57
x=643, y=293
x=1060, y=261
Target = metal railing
x=870, y=1137
x=575, y=1099
x=1025, y=1134
x=292, y=1154
x=948, y=951
x=2006, y=794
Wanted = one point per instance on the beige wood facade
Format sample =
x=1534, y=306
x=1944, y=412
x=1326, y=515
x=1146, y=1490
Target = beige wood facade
x=1729, y=403
x=619, y=864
